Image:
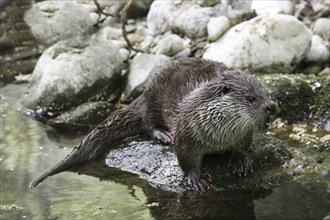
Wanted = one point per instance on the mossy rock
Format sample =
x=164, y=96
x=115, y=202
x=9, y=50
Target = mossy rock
x=300, y=97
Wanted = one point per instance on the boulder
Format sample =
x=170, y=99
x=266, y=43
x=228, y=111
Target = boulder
x=71, y=72
x=52, y=21
x=141, y=70
x=318, y=51
x=301, y=97
x=169, y=45
x=272, y=7
x=83, y=117
x=321, y=27
x=185, y=17
x=216, y=27
x=158, y=165
x=263, y=44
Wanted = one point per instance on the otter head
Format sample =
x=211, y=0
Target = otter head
x=251, y=98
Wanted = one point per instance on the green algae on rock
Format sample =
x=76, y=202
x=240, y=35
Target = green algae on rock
x=301, y=97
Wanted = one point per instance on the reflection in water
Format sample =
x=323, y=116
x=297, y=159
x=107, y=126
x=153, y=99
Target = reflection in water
x=288, y=202
x=26, y=151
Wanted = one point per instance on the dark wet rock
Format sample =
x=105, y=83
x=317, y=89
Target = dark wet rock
x=313, y=68
x=153, y=162
x=141, y=70
x=18, y=47
x=52, y=21
x=158, y=165
x=87, y=115
x=3, y=3
x=301, y=97
x=14, y=32
x=9, y=71
x=72, y=72
x=257, y=44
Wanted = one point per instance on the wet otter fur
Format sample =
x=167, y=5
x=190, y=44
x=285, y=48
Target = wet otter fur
x=197, y=105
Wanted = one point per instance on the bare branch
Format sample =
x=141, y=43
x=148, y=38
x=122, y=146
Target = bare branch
x=100, y=10
x=123, y=19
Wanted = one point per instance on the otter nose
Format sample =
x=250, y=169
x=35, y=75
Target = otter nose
x=271, y=109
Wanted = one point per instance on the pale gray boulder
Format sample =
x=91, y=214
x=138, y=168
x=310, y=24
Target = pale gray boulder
x=186, y=17
x=72, y=72
x=263, y=44
x=52, y=21
x=141, y=70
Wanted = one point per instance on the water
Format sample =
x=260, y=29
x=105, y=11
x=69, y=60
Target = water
x=27, y=150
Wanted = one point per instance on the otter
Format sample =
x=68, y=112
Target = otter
x=198, y=106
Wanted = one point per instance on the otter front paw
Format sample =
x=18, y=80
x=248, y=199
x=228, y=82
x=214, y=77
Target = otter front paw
x=162, y=136
x=197, y=183
x=240, y=164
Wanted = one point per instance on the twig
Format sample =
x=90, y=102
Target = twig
x=123, y=19
x=100, y=10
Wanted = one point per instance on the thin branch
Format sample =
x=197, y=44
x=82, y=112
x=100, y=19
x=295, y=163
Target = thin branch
x=123, y=19
x=100, y=10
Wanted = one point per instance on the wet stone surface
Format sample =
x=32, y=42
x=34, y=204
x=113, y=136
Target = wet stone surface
x=158, y=165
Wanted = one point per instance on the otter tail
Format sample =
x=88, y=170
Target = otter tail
x=118, y=126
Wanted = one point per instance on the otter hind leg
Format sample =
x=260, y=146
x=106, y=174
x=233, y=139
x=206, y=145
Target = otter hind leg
x=240, y=164
x=163, y=136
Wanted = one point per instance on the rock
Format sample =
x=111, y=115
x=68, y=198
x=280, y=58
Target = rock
x=313, y=68
x=272, y=7
x=141, y=70
x=86, y=115
x=142, y=30
x=158, y=165
x=186, y=17
x=324, y=72
x=216, y=27
x=147, y=43
x=153, y=162
x=321, y=27
x=261, y=44
x=71, y=72
x=320, y=6
x=300, y=97
x=3, y=3
x=137, y=9
x=52, y=21
x=111, y=33
x=158, y=19
x=169, y=45
x=192, y=21
x=183, y=54
x=209, y=3
x=318, y=51
x=124, y=54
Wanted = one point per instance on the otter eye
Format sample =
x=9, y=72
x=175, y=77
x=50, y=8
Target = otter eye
x=251, y=99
